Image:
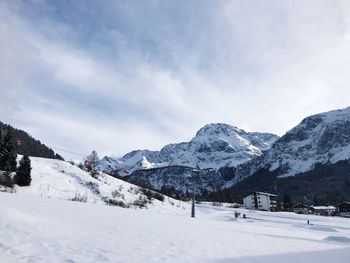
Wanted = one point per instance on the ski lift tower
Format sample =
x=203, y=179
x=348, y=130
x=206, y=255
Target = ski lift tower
x=195, y=173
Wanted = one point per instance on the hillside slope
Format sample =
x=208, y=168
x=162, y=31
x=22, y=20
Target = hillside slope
x=61, y=180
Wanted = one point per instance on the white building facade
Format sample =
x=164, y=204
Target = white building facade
x=260, y=201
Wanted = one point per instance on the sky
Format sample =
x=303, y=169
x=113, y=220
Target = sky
x=116, y=76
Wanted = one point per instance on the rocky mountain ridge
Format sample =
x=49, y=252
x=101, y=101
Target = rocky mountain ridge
x=214, y=146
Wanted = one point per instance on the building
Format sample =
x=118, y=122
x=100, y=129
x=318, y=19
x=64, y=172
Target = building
x=301, y=209
x=344, y=209
x=323, y=210
x=260, y=201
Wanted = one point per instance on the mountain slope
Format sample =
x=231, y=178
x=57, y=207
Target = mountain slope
x=310, y=161
x=319, y=139
x=214, y=146
x=324, y=184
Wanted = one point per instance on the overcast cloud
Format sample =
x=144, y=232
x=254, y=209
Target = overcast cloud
x=121, y=75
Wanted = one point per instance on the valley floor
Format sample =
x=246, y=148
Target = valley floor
x=35, y=229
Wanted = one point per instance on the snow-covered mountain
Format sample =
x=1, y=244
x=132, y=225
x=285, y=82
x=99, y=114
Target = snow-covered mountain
x=61, y=180
x=319, y=139
x=108, y=164
x=322, y=139
x=214, y=146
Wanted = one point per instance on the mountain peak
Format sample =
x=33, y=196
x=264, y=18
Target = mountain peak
x=215, y=145
x=217, y=128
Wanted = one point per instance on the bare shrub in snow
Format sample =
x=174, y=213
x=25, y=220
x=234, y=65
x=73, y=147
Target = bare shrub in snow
x=113, y=202
x=134, y=190
x=152, y=194
x=141, y=202
x=116, y=193
x=94, y=187
x=79, y=198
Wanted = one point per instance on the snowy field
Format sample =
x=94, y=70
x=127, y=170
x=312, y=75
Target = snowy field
x=36, y=229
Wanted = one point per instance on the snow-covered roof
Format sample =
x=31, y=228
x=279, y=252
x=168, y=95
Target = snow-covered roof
x=323, y=207
x=261, y=193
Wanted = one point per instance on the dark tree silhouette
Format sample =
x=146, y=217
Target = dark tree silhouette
x=28, y=145
x=8, y=156
x=23, y=177
x=287, y=201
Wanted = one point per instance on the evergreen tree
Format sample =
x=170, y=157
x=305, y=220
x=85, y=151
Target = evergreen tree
x=287, y=201
x=28, y=145
x=8, y=156
x=22, y=177
x=316, y=201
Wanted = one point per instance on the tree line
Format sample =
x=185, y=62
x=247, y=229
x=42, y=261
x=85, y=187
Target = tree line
x=29, y=146
x=11, y=173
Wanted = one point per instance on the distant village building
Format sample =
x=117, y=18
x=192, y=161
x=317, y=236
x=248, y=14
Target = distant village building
x=301, y=209
x=344, y=209
x=323, y=210
x=260, y=201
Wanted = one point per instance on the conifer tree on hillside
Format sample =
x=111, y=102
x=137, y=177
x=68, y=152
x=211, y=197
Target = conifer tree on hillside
x=23, y=177
x=287, y=201
x=8, y=156
x=29, y=145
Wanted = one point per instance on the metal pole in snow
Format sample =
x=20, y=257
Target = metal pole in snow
x=193, y=198
x=194, y=174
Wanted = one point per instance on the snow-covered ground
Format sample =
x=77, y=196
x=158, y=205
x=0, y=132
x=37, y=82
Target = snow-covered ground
x=39, y=223
x=35, y=229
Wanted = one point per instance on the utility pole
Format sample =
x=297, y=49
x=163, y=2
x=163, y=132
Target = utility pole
x=194, y=177
x=193, y=212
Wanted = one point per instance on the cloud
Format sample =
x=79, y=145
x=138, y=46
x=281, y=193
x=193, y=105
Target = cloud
x=122, y=76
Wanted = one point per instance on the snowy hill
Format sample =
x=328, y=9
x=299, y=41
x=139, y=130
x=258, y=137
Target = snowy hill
x=62, y=180
x=214, y=146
